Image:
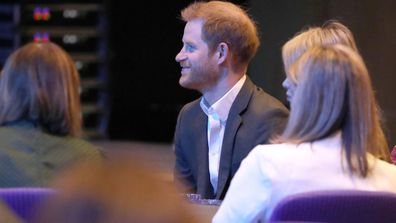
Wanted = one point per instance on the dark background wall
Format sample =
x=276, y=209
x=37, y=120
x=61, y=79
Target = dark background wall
x=144, y=83
x=145, y=37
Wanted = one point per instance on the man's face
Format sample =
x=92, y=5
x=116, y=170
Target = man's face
x=199, y=68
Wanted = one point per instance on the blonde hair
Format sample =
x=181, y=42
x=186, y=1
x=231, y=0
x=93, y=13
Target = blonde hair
x=228, y=23
x=332, y=32
x=334, y=92
x=40, y=83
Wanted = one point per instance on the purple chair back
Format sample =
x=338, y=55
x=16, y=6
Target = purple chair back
x=393, y=155
x=25, y=201
x=337, y=206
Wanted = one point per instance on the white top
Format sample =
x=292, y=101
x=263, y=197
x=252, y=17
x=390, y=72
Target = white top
x=217, y=118
x=272, y=172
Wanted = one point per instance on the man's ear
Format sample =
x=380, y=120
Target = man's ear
x=222, y=52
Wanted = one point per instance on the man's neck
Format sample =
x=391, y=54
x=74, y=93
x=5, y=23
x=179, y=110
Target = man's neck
x=221, y=88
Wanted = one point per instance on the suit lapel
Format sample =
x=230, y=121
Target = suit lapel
x=203, y=182
x=234, y=121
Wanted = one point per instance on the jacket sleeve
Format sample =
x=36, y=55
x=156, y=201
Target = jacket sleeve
x=182, y=171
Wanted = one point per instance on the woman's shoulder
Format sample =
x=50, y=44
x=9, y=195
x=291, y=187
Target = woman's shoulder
x=279, y=154
x=78, y=143
x=70, y=145
x=273, y=153
x=332, y=144
x=277, y=148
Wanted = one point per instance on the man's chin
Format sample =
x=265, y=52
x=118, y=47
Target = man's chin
x=186, y=84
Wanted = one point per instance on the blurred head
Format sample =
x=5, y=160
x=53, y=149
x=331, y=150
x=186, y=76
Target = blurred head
x=330, y=33
x=40, y=83
x=215, y=29
x=7, y=215
x=334, y=93
x=115, y=190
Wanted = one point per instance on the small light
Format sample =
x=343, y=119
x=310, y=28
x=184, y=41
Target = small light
x=41, y=37
x=70, y=39
x=44, y=37
x=79, y=65
x=37, y=37
x=37, y=14
x=45, y=14
x=70, y=13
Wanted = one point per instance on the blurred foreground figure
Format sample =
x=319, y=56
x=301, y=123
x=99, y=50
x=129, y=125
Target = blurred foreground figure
x=116, y=190
x=6, y=214
x=40, y=116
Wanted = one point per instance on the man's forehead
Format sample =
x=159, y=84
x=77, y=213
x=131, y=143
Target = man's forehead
x=193, y=31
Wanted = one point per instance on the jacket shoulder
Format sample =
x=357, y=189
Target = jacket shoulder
x=191, y=108
x=265, y=100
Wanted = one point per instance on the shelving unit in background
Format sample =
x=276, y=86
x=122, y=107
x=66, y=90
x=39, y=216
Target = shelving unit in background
x=81, y=29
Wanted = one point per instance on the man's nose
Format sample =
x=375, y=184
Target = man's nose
x=180, y=56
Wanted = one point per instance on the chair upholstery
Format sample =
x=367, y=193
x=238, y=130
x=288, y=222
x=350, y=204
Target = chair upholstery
x=337, y=206
x=25, y=201
x=393, y=155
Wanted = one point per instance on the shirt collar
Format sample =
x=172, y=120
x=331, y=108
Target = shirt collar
x=222, y=107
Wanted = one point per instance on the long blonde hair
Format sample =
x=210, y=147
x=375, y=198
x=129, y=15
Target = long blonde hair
x=334, y=92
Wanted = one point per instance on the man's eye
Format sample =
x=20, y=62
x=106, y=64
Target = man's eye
x=189, y=48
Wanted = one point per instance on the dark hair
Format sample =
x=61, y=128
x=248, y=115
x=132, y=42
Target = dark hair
x=40, y=83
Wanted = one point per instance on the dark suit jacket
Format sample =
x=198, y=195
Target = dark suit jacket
x=253, y=118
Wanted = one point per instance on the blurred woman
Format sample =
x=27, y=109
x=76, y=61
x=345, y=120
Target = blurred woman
x=119, y=189
x=40, y=116
x=331, y=140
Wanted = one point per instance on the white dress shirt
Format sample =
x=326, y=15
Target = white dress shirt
x=217, y=118
x=272, y=172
